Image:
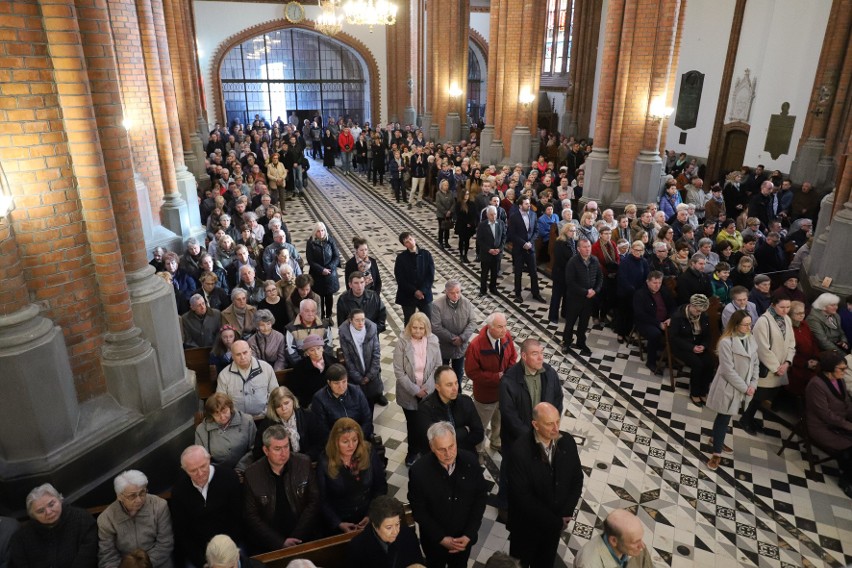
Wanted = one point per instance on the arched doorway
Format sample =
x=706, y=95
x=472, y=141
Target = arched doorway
x=294, y=69
x=735, y=136
x=477, y=74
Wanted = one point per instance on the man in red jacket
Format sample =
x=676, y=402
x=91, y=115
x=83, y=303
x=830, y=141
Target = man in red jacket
x=489, y=354
x=347, y=147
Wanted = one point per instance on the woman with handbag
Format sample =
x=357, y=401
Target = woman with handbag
x=444, y=203
x=736, y=378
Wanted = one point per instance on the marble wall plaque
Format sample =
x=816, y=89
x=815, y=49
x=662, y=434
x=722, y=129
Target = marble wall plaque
x=742, y=96
x=780, y=132
x=689, y=99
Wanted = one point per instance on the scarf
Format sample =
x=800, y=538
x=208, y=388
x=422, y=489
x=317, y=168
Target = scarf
x=782, y=324
x=695, y=321
x=292, y=428
x=358, y=337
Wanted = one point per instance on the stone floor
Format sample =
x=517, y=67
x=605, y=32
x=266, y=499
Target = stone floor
x=642, y=444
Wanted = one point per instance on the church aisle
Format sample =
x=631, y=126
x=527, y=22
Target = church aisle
x=642, y=446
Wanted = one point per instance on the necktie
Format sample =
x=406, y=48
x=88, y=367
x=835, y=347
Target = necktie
x=497, y=346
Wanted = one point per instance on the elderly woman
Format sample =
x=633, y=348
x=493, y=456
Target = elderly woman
x=444, y=205
x=57, y=535
x=711, y=259
x=282, y=260
x=323, y=258
x=806, y=361
x=207, y=264
x=226, y=250
x=181, y=280
x=222, y=552
x=309, y=371
x=587, y=228
x=227, y=434
x=359, y=341
x=825, y=324
x=387, y=542
x=828, y=413
x=736, y=378
x=364, y=263
x=776, y=348
x=350, y=474
x=240, y=315
x=268, y=344
x=135, y=520
x=220, y=354
x=416, y=356
x=275, y=305
x=306, y=433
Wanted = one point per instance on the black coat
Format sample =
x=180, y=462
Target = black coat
x=414, y=271
x=485, y=238
x=681, y=333
x=579, y=278
x=469, y=430
x=563, y=251
x=645, y=308
x=73, y=543
x=311, y=440
x=447, y=505
x=307, y=379
x=515, y=403
x=352, y=266
x=345, y=499
x=366, y=550
x=692, y=282
x=370, y=302
x=320, y=255
x=540, y=493
x=195, y=521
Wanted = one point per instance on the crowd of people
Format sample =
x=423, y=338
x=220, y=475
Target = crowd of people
x=275, y=466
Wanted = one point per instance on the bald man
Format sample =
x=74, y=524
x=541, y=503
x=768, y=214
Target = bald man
x=545, y=483
x=620, y=545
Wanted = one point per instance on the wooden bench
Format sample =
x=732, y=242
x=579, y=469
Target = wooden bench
x=198, y=360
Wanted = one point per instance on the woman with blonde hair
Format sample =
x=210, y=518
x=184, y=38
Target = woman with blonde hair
x=736, y=377
x=227, y=434
x=283, y=410
x=415, y=358
x=350, y=474
x=323, y=257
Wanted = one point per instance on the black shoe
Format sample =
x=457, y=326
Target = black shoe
x=482, y=293
x=748, y=427
x=382, y=400
x=503, y=516
x=410, y=206
x=564, y=347
x=519, y=299
x=656, y=370
x=476, y=258
x=584, y=350
x=538, y=298
x=494, y=290
x=846, y=487
x=410, y=459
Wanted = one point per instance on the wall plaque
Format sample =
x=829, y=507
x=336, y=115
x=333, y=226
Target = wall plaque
x=742, y=95
x=780, y=132
x=689, y=99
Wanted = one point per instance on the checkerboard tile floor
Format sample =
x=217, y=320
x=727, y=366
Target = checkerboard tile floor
x=642, y=444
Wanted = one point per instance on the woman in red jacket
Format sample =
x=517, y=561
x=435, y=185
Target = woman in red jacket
x=806, y=362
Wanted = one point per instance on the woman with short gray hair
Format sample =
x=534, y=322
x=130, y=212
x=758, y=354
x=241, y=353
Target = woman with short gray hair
x=268, y=344
x=135, y=520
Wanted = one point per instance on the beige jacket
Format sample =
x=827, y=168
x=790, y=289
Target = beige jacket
x=773, y=348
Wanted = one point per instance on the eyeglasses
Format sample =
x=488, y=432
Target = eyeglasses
x=141, y=494
x=841, y=368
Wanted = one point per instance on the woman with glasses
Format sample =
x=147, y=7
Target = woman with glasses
x=736, y=378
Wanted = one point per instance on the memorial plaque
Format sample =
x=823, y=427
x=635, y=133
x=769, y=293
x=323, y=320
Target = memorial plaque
x=689, y=99
x=780, y=132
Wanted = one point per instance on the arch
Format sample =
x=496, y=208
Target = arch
x=281, y=24
x=481, y=43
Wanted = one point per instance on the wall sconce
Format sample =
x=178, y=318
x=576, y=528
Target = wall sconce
x=7, y=201
x=454, y=91
x=658, y=109
x=526, y=98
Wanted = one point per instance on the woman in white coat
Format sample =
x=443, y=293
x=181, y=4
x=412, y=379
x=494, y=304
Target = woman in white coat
x=736, y=378
x=776, y=347
x=415, y=358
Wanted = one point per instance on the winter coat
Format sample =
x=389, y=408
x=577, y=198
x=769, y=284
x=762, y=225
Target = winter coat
x=773, y=348
x=737, y=372
x=448, y=322
x=403, y=369
x=322, y=254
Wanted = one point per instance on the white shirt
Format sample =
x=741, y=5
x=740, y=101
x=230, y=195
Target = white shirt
x=203, y=489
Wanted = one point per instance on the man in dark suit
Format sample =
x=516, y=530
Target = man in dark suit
x=447, y=492
x=653, y=305
x=414, y=271
x=490, y=238
x=206, y=501
x=522, y=230
x=583, y=281
x=545, y=484
x=444, y=403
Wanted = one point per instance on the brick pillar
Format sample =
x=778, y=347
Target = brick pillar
x=821, y=144
x=640, y=48
x=448, y=23
x=399, y=51
x=585, y=34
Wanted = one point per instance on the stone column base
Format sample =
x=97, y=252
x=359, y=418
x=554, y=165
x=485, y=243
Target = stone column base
x=409, y=115
x=465, y=131
x=811, y=164
x=188, y=189
x=647, y=171
x=434, y=131
x=453, y=127
x=131, y=371
x=520, y=151
x=425, y=124
x=486, y=137
x=497, y=153
x=610, y=187
x=595, y=166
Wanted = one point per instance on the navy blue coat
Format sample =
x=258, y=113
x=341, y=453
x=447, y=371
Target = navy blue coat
x=414, y=271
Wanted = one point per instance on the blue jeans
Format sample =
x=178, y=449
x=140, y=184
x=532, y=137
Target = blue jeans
x=720, y=430
x=298, y=179
x=347, y=161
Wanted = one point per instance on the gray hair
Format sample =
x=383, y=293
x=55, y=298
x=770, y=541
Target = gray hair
x=250, y=216
x=452, y=283
x=275, y=432
x=221, y=551
x=196, y=298
x=681, y=207
x=491, y=317
x=246, y=268
x=696, y=257
x=302, y=562
x=191, y=242
x=263, y=316
x=130, y=477
x=659, y=245
x=490, y=209
x=825, y=299
x=236, y=292
x=705, y=241
x=224, y=216
x=275, y=221
x=439, y=429
x=306, y=303
x=193, y=449
x=38, y=493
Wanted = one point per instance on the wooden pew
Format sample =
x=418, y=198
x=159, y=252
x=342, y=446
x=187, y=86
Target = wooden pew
x=198, y=360
x=285, y=377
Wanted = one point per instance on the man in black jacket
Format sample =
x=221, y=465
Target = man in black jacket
x=414, y=271
x=522, y=231
x=357, y=297
x=490, y=240
x=693, y=280
x=206, y=501
x=689, y=336
x=653, y=305
x=447, y=492
x=445, y=403
x=583, y=281
x=545, y=484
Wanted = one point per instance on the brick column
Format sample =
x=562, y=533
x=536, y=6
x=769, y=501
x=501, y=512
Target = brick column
x=516, y=39
x=640, y=49
x=585, y=33
x=448, y=22
x=828, y=111
x=399, y=51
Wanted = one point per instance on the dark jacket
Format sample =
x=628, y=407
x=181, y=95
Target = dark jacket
x=218, y=299
x=645, y=308
x=519, y=235
x=320, y=255
x=353, y=404
x=692, y=282
x=200, y=331
x=541, y=493
x=311, y=440
x=371, y=304
x=769, y=258
x=346, y=498
x=563, y=251
x=579, y=278
x=515, y=402
x=681, y=334
x=261, y=496
x=371, y=368
x=465, y=419
x=632, y=273
x=366, y=549
x=352, y=266
x=308, y=379
x=414, y=271
x=485, y=240
x=72, y=543
x=195, y=521
x=447, y=505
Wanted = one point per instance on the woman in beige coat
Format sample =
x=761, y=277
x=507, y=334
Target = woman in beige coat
x=776, y=347
x=736, y=378
x=415, y=358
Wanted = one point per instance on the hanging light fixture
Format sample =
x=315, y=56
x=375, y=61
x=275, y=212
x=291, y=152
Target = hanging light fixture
x=329, y=22
x=370, y=13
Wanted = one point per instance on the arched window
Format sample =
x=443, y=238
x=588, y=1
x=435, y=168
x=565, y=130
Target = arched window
x=475, y=95
x=557, y=37
x=287, y=70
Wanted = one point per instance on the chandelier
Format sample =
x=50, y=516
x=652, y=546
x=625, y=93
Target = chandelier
x=370, y=13
x=328, y=22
